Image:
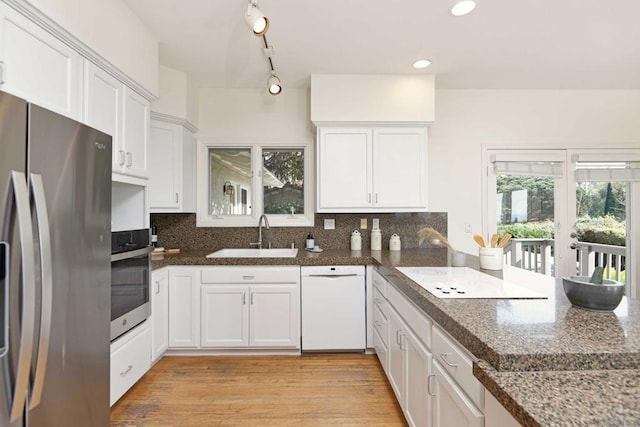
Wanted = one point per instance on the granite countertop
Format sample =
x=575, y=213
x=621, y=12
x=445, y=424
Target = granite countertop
x=546, y=362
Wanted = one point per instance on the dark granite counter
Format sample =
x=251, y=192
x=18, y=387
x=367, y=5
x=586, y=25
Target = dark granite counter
x=546, y=362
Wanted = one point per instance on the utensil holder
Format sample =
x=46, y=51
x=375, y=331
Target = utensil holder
x=491, y=258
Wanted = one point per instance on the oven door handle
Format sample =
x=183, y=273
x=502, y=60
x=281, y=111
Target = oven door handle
x=132, y=254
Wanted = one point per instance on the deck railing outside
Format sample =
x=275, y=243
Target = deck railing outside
x=537, y=255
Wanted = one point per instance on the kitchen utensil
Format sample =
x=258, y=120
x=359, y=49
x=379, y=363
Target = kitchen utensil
x=596, y=277
x=494, y=240
x=593, y=296
x=479, y=240
x=504, y=240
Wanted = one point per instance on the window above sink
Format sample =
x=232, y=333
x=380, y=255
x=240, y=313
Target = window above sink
x=239, y=181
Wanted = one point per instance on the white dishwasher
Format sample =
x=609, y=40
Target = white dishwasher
x=333, y=308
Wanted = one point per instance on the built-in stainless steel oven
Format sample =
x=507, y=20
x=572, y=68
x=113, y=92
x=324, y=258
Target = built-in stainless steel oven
x=130, y=278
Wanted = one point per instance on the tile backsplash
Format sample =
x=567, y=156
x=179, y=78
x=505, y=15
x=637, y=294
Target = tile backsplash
x=180, y=231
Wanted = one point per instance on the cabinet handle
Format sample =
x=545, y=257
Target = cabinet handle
x=244, y=298
x=376, y=198
x=429, y=385
x=157, y=291
x=443, y=356
x=369, y=198
x=176, y=197
x=248, y=277
x=120, y=157
x=251, y=302
x=1, y=72
x=126, y=372
x=129, y=159
x=377, y=301
x=399, y=337
x=378, y=323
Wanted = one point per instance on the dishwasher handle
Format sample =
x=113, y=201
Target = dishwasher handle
x=333, y=275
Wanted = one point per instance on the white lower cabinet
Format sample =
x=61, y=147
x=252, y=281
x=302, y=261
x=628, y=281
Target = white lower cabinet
x=225, y=316
x=417, y=407
x=184, y=307
x=429, y=394
x=451, y=406
x=255, y=307
x=130, y=360
x=159, y=313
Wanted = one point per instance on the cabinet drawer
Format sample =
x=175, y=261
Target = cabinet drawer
x=380, y=323
x=232, y=274
x=381, y=349
x=130, y=360
x=454, y=359
x=417, y=321
x=379, y=283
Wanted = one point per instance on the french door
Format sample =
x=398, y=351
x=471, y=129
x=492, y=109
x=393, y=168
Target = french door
x=570, y=210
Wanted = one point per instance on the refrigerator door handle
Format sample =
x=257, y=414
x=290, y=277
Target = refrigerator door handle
x=27, y=322
x=46, y=275
x=4, y=277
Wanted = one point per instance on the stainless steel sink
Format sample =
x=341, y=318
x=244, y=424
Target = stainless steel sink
x=254, y=253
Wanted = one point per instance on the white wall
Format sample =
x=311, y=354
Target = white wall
x=253, y=114
x=177, y=96
x=372, y=98
x=468, y=119
x=110, y=28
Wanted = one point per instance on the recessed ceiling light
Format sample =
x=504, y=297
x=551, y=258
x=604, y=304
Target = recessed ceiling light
x=421, y=63
x=463, y=7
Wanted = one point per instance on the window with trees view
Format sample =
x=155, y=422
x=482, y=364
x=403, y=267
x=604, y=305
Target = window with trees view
x=244, y=180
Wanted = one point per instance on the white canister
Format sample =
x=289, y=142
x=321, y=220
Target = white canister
x=394, y=243
x=376, y=239
x=356, y=241
x=491, y=258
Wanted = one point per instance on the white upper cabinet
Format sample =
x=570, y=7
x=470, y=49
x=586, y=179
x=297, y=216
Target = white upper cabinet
x=135, y=133
x=172, y=159
x=37, y=66
x=114, y=108
x=379, y=169
x=103, y=106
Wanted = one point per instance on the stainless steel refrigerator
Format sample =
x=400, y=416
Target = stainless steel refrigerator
x=55, y=243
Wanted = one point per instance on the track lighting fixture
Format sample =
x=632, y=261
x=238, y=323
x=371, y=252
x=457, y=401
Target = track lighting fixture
x=258, y=23
x=273, y=84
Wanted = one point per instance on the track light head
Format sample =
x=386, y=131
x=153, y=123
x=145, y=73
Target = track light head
x=273, y=84
x=258, y=23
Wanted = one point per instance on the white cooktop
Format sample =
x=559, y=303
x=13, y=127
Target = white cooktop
x=464, y=282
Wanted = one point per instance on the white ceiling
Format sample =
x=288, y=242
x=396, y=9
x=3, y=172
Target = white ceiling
x=503, y=44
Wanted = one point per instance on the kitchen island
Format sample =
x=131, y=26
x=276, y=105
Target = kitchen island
x=546, y=362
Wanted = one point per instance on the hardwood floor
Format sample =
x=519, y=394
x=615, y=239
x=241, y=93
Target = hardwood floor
x=312, y=390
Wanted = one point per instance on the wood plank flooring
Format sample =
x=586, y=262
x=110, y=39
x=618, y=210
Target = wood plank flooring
x=311, y=390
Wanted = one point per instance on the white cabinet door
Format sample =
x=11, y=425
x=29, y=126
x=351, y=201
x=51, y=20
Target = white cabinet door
x=451, y=407
x=184, y=308
x=135, y=133
x=417, y=407
x=171, y=168
x=103, y=107
x=159, y=313
x=400, y=168
x=225, y=316
x=381, y=350
x=37, y=66
x=274, y=316
x=165, y=166
x=395, y=368
x=344, y=168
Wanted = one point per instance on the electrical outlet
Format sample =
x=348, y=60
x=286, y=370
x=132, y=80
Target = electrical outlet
x=363, y=223
x=376, y=223
x=330, y=224
x=467, y=227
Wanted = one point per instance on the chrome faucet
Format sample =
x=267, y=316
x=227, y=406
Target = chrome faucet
x=266, y=224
